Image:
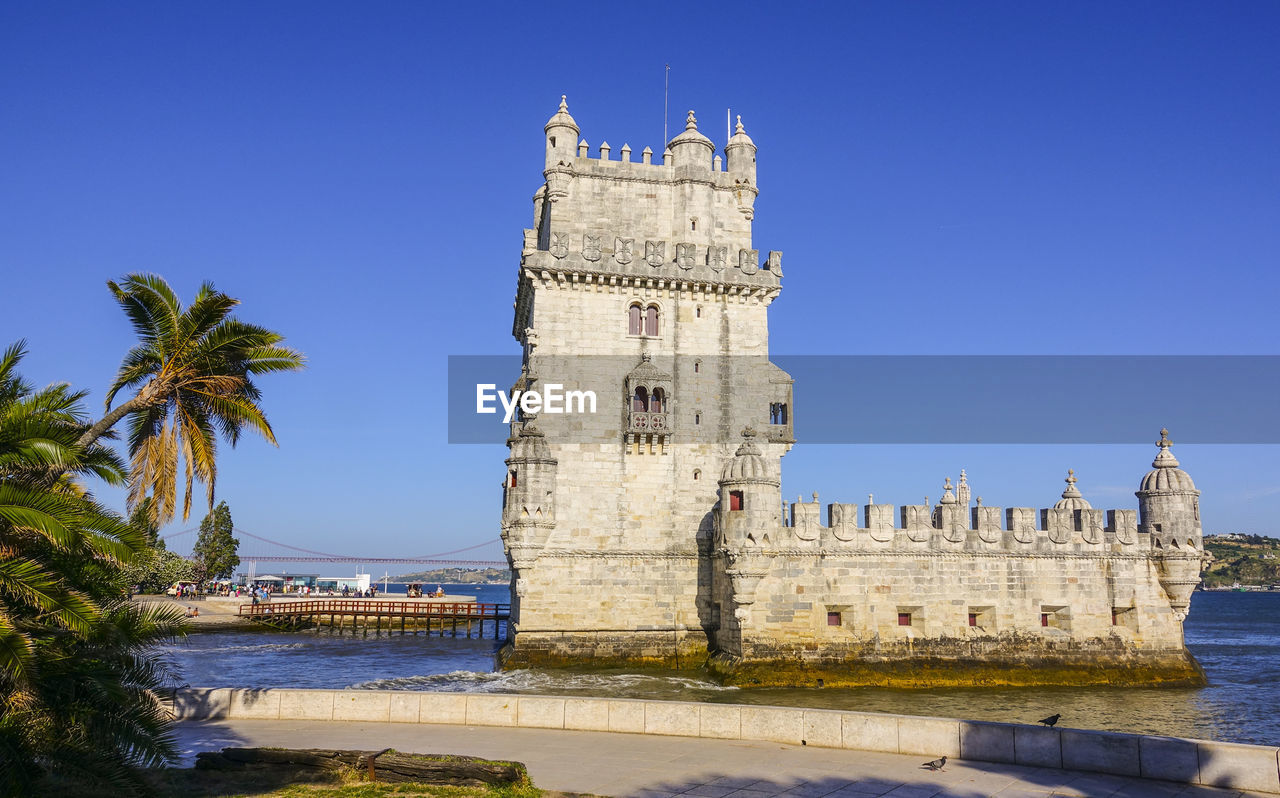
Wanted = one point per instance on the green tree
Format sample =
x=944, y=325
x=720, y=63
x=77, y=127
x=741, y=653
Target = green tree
x=143, y=517
x=155, y=570
x=193, y=370
x=79, y=668
x=215, y=549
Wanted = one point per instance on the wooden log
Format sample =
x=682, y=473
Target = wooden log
x=387, y=765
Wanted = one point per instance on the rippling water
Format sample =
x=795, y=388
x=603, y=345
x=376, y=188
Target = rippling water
x=1236, y=637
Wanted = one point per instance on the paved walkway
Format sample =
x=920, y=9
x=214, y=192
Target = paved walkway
x=650, y=766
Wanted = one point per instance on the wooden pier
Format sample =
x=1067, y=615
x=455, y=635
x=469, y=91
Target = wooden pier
x=365, y=615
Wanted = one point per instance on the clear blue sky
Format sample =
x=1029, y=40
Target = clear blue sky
x=969, y=178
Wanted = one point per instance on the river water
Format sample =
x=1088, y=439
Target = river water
x=1235, y=636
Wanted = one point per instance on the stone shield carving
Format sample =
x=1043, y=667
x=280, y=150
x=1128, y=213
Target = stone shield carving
x=559, y=245
x=591, y=248
x=749, y=260
x=622, y=250
x=685, y=253
x=842, y=531
x=655, y=253
x=716, y=257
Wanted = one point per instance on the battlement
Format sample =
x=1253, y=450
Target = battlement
x=688, y=197
x=947, y=527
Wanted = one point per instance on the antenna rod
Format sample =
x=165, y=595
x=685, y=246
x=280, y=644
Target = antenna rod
x=726, y=125
x=666, y=89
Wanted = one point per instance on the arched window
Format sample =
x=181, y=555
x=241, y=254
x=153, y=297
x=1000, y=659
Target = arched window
x=640, y=402
x=655, y=403
x=635, y=325
x=651, y=320
x=697, y=474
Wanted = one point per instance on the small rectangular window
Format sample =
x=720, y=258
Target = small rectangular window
x=973, y=619
x=904, y=619
x=1044, y=619
x=735, y=500
x=833, y=619
x=513, y=479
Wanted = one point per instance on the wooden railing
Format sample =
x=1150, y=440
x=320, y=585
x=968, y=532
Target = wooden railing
x=468, y=610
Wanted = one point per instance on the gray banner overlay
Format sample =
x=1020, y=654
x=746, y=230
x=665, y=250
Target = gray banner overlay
x=1229, y=399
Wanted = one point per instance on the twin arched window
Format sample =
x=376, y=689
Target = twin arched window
x=642, y=320
x=644, y=402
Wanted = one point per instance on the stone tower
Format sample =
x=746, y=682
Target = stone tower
x=1169, y=511
x=639, y=282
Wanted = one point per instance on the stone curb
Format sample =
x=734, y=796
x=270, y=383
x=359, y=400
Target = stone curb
x=1203, y=762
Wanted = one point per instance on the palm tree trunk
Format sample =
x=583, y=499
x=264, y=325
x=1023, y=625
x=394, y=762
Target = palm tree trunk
x=108, y=421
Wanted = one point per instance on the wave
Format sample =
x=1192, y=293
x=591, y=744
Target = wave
x=623, y=685
x=260, y=648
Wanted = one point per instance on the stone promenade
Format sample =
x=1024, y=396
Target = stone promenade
x=655, y=766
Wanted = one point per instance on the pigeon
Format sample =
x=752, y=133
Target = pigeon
x=1051, y=720
x=936, y=764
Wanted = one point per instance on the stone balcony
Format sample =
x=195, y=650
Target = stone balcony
x=648, y=422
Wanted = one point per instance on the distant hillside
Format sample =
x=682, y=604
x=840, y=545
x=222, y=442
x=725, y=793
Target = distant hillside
x=1243, y=559
x=459, y=576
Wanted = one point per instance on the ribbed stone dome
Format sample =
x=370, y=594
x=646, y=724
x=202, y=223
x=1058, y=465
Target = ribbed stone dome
x=1165, y=474
x=748, y=465
x=1072, y=499
x=529, y=444
x=562, y=117
x=740, y=136
x=691, y=135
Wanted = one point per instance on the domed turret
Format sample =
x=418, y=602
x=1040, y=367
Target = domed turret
x=1165, y=474
x=750, y=497
x=691, y=148
x=748, y=464
x=562, y=136
x=1072, y=499
x=741, y=155
x=531, y=476
x=1169, y=511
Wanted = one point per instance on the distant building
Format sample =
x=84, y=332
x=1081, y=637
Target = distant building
x=654, y=531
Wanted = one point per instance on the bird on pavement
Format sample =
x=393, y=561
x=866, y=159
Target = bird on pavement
x=1051, y=720
x=936, y=764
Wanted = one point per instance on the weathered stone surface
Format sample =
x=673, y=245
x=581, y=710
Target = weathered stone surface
x=823, y=727
x=201, y=704
x=245, y=704
x=1037, y=747
x=362, y=705
x=586, y=714
x=405, y=707
x=540, y=712
x=1243, y=767
x=307, y=704
x=773, y=723
x=720, y=720
x=936, y=736
x=491, y=710
x=1169, y=758
x=442, y=708
x=867, y=731
x=1102, y=752
x=663, y=717
x=988, y=742
x=626, y=716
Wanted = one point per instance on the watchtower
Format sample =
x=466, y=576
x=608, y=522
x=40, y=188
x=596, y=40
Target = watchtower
x=639, y=282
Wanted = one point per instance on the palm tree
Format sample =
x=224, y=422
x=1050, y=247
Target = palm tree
x=193, y=369
x=78, y=670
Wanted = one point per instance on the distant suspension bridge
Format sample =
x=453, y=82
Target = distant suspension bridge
x=298, y=554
